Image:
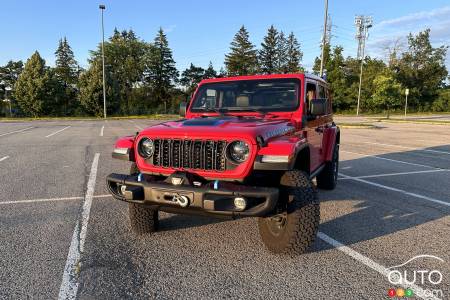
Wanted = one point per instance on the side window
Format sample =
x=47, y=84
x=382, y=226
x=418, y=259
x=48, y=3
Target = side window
x=311, y=93
x=322, y=94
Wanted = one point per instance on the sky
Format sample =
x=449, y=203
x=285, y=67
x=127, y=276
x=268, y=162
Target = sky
x=201, y=31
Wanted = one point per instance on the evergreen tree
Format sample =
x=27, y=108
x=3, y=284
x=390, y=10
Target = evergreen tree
x=210, y=72
x=282, y=54
x=191, y=77
x=268, y=56
x=242, y=59
x=161, y=71
x=66, y=67
x=32, y=86
x=66, y=76
x=293, y=54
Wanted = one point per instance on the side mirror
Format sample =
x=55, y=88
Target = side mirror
x=183, y=107
x=319, y=107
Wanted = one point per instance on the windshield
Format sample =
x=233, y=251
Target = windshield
x=248, y=95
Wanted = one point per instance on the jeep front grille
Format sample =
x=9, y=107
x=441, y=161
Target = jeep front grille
x=190, y=154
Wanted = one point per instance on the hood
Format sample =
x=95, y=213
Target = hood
x=222, y=127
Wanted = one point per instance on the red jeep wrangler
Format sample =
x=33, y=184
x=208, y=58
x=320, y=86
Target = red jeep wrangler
x=248, y=146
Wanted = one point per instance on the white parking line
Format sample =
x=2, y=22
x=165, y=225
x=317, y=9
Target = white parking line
x=394, y=174
x=16, y=131
x=50, y=199
x=418, y=291
x=40, y=200
x=397, y=190
x=101, y=131
x=56, y=132
x=389, y=159
x=4, y=158
x=69, y=284
x=408, y=147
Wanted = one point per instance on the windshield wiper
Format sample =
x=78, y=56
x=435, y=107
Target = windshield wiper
x=221, y=111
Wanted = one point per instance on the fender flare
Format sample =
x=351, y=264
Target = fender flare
x=331, y=136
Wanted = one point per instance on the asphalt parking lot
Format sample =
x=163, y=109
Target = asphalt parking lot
x=392, y=204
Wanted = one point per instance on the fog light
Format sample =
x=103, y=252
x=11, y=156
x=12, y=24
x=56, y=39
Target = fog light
x=240, y=203
x=123, y=188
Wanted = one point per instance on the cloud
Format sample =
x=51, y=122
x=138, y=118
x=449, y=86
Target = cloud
x=395, y=31
x=442, y=13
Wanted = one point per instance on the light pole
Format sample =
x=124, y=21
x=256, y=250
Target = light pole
x=8, y=100
x=406, y=100
x=363, y=24
x=324, y=37
x=102, y=8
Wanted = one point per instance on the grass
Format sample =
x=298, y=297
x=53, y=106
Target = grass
x=148, y=117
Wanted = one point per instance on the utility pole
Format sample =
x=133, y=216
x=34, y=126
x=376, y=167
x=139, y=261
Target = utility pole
x=406, y=100
x=362, y=23
x=102, y=8
x=324, y=37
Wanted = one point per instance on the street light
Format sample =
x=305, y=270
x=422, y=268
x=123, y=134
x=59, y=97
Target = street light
x=102, y=7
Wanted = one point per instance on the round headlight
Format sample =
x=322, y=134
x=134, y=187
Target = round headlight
x=238, y=151
x=146, y=148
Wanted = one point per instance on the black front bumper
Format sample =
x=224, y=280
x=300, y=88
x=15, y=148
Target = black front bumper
x=208, y=198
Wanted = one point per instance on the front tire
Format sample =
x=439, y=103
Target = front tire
x=294, y=228
x=327, y=179
x=142, y=219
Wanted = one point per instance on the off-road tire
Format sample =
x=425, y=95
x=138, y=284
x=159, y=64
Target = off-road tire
x=142, y=219
x=327, y=178
x=299, y=205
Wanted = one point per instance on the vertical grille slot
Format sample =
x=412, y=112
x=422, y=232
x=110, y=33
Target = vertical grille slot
x=190, y=154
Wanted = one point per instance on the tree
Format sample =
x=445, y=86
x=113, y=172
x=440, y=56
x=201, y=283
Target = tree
x=268, y=56
x=161, y=71
x=293, y=55
x=66, y=67
x=326, y=58
x=242, y=59
x=422, y=69
x=210, y=72
x=387, y=91
x=91, y=89
x=191, y=77
x=8, y=78
x=282, y=55
x=125, y=61
x=66, y=75
x=32, y=86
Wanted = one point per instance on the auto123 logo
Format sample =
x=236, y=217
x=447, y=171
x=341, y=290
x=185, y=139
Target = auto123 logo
x=418, y=281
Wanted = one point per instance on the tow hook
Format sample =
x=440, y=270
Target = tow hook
x=182, y=200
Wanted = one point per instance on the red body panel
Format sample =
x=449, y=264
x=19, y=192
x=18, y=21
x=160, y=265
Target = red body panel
x=281, y=133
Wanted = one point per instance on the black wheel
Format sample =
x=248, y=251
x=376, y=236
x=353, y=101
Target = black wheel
x=327, y=179
x=294, y=228
x=142, y=219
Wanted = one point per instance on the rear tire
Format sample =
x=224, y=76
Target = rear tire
x=294, y=228
x=327, y=179
x=142, y=219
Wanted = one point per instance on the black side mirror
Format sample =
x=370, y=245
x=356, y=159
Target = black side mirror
x=319, y=107
x=183, y=107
